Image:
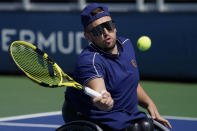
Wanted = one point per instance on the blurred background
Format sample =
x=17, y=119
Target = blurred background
x=168, y=69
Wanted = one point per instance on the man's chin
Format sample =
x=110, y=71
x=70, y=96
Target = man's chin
x=109, y=48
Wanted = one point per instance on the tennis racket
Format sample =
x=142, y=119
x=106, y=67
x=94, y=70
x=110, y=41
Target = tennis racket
x=40, y=68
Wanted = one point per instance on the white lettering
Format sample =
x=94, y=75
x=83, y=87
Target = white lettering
x=60, y=42
x=5, y=38
x=79, y=36
x=27, y=35
x=42, y=42
x=54, y=42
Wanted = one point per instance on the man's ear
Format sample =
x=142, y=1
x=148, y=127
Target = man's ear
x=88, y=37
x=115, y=30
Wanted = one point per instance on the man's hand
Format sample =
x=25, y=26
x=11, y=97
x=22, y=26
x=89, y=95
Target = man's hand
x=146, y=102
x=152, y=109
x=105, y=102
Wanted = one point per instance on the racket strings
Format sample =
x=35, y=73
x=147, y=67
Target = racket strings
x=35, y=65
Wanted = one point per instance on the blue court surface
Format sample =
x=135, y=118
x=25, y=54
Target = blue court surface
x=49, y=121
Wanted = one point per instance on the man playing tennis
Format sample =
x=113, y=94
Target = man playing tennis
x=108, y=66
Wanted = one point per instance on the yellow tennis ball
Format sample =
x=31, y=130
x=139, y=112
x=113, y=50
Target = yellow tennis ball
x=144, y=43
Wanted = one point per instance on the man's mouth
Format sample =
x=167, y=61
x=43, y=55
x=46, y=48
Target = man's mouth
x=108, y=40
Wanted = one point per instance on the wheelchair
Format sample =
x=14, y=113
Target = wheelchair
x=83, y=125
x=79, y=123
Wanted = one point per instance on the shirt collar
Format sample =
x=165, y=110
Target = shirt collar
x=102, y=52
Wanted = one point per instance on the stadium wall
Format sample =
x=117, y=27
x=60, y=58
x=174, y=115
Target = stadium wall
x=173, y=54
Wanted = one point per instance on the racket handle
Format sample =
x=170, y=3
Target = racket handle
x=90, y=92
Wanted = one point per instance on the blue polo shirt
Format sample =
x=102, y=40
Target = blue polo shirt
x=121, y=77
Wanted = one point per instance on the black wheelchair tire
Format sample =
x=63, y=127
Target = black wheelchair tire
x=80, y=125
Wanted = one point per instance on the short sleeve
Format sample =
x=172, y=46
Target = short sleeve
x=88, y=67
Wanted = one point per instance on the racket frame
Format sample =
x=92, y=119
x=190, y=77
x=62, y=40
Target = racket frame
x=71, y=83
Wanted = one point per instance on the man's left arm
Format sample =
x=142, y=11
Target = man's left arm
x=146, y=102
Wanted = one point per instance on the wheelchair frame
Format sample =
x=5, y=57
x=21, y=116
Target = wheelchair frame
x=83, y=125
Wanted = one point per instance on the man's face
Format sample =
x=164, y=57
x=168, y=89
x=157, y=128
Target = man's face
x=107, y=40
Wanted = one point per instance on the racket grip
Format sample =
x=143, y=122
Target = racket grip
x=90, y=92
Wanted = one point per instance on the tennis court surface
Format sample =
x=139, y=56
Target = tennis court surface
x=49, y=121
x=25, y=106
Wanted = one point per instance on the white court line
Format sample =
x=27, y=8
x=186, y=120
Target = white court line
x=59, y=113
x=178, y=118
x=29, y=125
x=11, y=118
x=181, y=118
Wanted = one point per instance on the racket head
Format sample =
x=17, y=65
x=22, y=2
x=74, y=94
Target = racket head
x=35, y=64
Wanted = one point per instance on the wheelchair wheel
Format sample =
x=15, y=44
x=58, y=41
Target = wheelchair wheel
x=80, y=125
x=159, y=127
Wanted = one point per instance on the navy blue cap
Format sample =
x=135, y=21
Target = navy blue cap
x=87, y=18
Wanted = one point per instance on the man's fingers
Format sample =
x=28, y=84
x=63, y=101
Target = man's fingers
x=96, y=99
x=164, y=121
x=152, y=113
x=105, y=102
x=110, y=102
x=168, y=124
x=105, y=94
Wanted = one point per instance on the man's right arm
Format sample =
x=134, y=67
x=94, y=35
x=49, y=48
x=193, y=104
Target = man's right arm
x=105, y=102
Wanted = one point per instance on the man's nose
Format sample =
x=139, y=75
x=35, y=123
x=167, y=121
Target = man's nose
x=105, y=31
